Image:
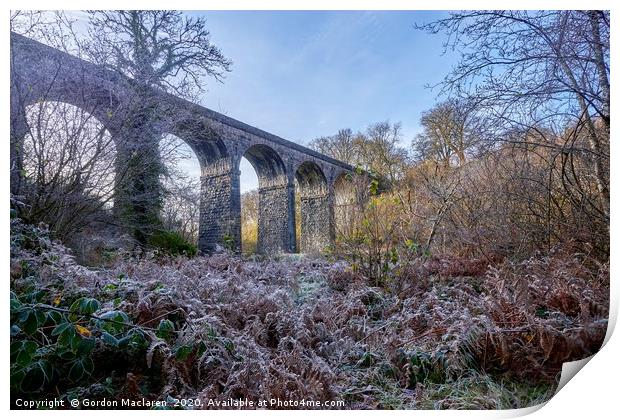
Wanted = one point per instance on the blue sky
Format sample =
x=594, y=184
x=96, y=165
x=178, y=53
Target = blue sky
x=306, y=74
x=302, y=75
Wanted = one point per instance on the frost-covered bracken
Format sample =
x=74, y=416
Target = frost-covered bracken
x=312, y=329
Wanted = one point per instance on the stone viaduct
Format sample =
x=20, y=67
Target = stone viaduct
x=42, y=73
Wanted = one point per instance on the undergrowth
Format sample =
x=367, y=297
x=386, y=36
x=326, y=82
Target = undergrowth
x=219, y=327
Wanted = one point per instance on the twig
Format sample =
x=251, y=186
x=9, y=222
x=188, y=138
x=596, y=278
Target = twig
x=374, y=331
x=421, y=335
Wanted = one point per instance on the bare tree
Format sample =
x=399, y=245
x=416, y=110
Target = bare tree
x=449, y=131
x=154, y=49
x=162, y=48
x=180, y=189
x=381, y=152
x=341, y=146
x=68, y=168
x=182, y=207
x=537, y=69
x=378, y=149
x=54, y=28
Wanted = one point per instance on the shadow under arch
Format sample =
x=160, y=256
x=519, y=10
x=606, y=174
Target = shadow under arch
x=316, y=210
x=275, y=200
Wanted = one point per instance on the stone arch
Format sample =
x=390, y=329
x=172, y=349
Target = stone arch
x=101, y=112
x=269, y=166
x=218, y=221
x=211, y=151
x=316, y=210
x=275, y=200
x=69, y=152
x=180, y=210
x=62, y=79
x=38, y=92
x=40, y=71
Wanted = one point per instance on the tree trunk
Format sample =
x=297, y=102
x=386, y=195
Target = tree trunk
x=593, y=139
x=600, y=65
x=138, y=195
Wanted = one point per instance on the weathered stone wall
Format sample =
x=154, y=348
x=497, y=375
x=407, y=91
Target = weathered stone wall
x=274, y=209
x=316, y=234
x=220, y=211
x=316, y=201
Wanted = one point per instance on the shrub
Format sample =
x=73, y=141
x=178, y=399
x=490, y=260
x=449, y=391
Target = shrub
x=55, y=344
x=172, y=243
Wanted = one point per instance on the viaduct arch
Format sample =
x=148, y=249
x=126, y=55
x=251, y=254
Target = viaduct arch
x=40, y=72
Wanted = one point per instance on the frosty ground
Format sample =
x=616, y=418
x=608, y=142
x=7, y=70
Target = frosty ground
x=443, y=333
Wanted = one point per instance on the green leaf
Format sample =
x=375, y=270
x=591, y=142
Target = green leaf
x=47, y=369
x=110, y=287
x=90, y=306
x=15, y=304
x=85, y=346
x=65, y=354
x=109, y=338
x=165, y=328
x=85, y=306
x=183, y=352
x=59, y=329
x=17, y=376
x=75, y=342
x=374, y=187
x=125, y=340
x=77, y=371
x=55, y=317
x=202, y=347
x=26, y=352
x=41, y=317
x=135, y=338
x=88, y=365
x=31, y=323
x=33, y=380
x=16, y=347
x=30, y=346
x=65, y=337
x=23, y=358
x=118, y=318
